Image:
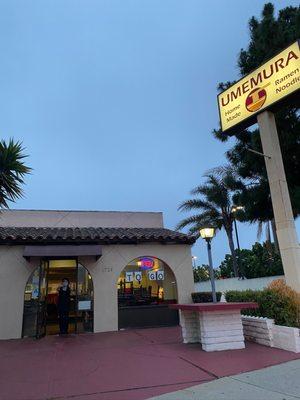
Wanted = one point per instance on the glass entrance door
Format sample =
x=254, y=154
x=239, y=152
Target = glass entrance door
x=40, y=316
x=34, y=316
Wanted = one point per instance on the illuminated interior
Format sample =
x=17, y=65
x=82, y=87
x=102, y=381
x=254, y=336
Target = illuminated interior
x=146, y=281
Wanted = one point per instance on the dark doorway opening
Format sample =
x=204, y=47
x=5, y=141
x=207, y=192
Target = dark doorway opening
x=58, y=270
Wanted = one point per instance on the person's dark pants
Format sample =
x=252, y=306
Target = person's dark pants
x=63, y=322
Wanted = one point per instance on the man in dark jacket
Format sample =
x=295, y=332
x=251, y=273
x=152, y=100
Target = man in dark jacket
x=63, y=306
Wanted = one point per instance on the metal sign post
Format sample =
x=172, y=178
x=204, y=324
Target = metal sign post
x=283, y=214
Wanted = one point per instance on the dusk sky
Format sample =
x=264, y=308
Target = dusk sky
x=115, y=101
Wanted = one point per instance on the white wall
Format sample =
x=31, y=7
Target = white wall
x=223, y=285
x=104, y=219
x=14, y=273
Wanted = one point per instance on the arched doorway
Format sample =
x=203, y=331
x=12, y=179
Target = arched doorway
x=145, y=288
x=40, y=315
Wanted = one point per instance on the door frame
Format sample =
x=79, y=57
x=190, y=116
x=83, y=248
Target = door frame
x=41, y=320
x=42, y=304
x=48, y=259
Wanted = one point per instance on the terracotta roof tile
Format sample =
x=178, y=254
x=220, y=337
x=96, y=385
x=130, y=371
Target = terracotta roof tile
x=98, y=235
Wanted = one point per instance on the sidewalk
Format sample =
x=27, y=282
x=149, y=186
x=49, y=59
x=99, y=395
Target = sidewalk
x=280, y=382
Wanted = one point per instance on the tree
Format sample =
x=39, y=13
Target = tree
x=268, y=36
x=261, y=260
x=12, y=171
x=201, y=273
x=214, y=206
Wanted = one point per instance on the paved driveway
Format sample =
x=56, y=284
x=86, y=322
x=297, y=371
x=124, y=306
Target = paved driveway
x=125, y=365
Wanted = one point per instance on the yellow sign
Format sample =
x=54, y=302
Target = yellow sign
x=273, y=81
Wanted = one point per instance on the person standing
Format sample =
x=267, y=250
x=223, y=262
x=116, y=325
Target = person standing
x=63, y=306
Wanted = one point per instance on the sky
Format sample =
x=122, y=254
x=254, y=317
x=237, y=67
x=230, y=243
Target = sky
x=115, y=100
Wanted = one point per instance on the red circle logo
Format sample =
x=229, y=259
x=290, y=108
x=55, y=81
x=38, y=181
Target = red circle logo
x=256, y=99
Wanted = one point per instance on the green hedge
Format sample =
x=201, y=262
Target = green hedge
x=204, y=297
x=271, y=305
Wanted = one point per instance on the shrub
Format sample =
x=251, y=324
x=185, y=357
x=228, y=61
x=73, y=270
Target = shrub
x=204, y=297
x=278, y=301
x=244, y=296
x=290, y=300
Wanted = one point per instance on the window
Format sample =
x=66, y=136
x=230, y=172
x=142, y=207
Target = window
x=146, y=281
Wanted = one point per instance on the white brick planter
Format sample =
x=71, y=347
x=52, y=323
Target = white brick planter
x=214, y=330
x=264, y=331
x=286, y=338
x=189, y=322
x=258, y=330
x=221, y=330
x=217, y=326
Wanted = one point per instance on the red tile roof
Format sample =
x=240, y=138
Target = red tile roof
x=16, y=235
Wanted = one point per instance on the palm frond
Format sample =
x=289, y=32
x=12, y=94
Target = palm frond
x=12, y=171
x=193, y=219
x=195, y=204
x=200, y=220
x=199, y=190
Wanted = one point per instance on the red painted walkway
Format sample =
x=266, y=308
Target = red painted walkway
x=126, y=365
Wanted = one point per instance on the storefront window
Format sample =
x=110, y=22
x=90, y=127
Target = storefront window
x=146, y=281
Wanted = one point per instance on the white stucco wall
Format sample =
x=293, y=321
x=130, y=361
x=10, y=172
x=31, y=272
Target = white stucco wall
x=15, y=271
x=223, y=285
x=65, y=218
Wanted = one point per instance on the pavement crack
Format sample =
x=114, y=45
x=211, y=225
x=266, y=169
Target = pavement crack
x=74, y=396
x=201, y=369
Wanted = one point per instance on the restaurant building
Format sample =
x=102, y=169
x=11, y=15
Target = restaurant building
x=124, y=269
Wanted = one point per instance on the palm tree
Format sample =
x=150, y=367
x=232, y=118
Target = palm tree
x=266, y=224
x=12, y=171
x=214, y=206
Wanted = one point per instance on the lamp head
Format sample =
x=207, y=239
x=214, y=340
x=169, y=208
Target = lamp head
x=237, y=208
x=207, y=233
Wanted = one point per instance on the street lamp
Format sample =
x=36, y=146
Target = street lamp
x=208, y=234
x=194, y=258
x=234, y=209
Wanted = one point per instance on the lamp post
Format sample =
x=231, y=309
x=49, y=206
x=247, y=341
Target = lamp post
x=208, y=234
x=194, y=258
x=234, y=209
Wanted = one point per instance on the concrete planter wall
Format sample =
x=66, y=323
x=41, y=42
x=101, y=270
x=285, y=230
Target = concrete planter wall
x=258, y=330
x=215, y=330
x=264, y=331
x=286, y=338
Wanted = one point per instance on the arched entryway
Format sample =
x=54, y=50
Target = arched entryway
x=146, y=287
x=40, y=316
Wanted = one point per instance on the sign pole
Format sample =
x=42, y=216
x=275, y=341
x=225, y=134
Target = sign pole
x=283, y=214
